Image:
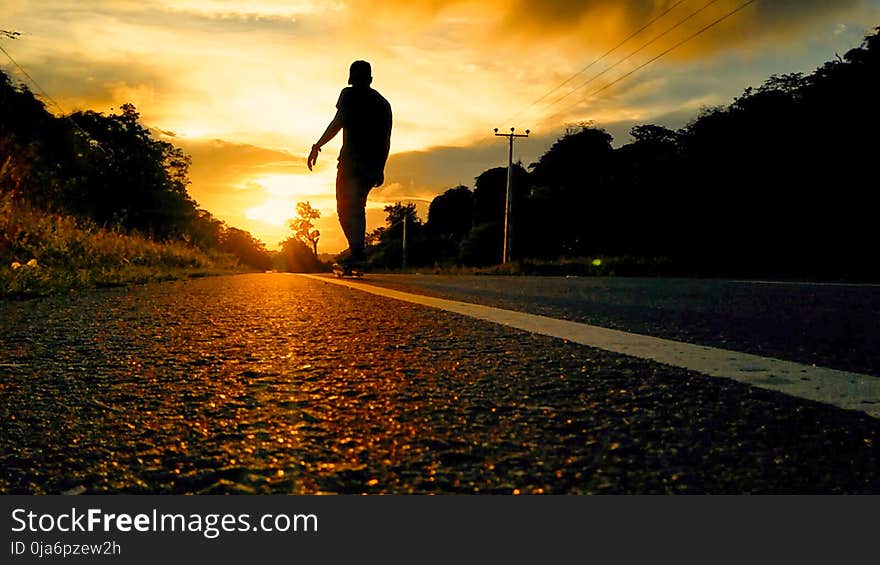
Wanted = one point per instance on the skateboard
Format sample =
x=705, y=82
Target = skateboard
x=343, y=272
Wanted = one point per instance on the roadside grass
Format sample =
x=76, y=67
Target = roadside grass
x=43, y=253
x=625, y=266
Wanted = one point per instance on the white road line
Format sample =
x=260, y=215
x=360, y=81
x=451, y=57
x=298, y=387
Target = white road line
x=852, y=391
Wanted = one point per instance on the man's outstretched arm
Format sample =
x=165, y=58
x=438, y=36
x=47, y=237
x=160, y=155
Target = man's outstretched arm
x=329, y=133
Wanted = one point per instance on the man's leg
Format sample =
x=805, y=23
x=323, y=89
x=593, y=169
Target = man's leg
x=351, y=202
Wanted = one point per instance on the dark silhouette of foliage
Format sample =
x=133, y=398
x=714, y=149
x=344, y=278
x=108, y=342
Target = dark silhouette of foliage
x=483, y=245
x=299, y=253
x=205, y=231
x=574, y=158
x=385, y=245
x=574, y=171
x=296, y=256
x=778, y=183
x=136, y=182
x=117, y=175
x=246, y=248
x=450, y=218
x=114, y=175
x=485, y=242
x=490, y=192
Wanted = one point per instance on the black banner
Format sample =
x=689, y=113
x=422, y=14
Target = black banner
x=414, y=529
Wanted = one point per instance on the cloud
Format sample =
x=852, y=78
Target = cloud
x=94, y=85
x=250, y=9
x=226, y=159
x=225, y=175
x=498, y=56
x=596, y=25
x=215, y=9
x=248, y=70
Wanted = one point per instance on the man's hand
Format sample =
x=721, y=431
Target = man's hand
x=313, y=156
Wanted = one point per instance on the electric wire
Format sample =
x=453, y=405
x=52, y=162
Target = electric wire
x=593, y=63
x=656, y=38
x=662, y=54
x=637, y=51
x=50, y=99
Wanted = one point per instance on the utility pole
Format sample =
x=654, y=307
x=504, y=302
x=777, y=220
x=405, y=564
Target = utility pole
x=403, y=259
x=505, y=256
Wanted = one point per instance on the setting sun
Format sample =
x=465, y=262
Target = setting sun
x=281, y=194
x=275, y=212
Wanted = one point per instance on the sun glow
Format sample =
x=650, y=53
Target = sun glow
x=273, y=211
x=282, y=191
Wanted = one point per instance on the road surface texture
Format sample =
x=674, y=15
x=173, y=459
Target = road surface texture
x=282, y=384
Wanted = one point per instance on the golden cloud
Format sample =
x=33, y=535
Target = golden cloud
x=598, y=25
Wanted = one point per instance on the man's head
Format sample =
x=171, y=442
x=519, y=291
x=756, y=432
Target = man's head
x=360, y=73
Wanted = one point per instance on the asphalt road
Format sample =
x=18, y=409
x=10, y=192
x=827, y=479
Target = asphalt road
x=281, y=384
x=829, y=325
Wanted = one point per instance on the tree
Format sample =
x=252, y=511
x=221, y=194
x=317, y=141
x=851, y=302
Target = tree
x=205, y=230
x=649, y=133
x=297, y=257
x=574, y=160
x=489, y=200
x=450, y=214
x=137, y=182
x=303, y=226
x=109, y=170
x=450, y=218
x=571, y=205
x=386, y=244
x=398, y=212
x=246, y=248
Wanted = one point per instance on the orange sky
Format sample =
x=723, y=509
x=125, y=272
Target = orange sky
x=247, y=86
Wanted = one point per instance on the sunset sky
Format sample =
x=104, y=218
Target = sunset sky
x=246, y=86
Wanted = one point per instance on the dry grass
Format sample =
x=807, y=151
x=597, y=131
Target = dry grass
x=43, y=253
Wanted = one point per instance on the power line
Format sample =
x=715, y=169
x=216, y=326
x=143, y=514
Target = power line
x=586, y=68
x=614, y=65
x=589, y=66
x=637, y=51
x=662, y=54
x=13, y=35
x=653, y=59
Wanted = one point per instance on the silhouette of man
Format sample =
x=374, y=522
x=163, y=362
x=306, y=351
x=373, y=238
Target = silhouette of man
x=364, y=116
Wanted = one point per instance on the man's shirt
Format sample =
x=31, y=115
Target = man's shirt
x=366, y=129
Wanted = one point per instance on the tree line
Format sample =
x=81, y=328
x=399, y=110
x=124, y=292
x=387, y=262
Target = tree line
x=108, y=170
x=777, y=183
